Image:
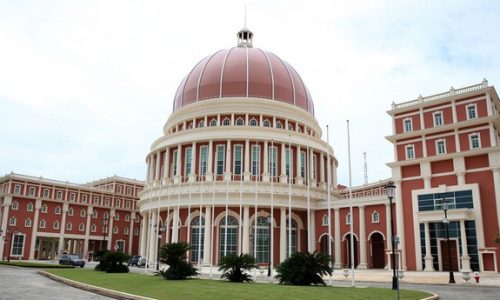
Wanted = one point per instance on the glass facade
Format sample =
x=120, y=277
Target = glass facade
x=197, y=229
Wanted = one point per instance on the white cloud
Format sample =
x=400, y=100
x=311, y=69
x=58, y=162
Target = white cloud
x=85, y=87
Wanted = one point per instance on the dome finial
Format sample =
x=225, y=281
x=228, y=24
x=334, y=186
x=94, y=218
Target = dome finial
x=245, y=35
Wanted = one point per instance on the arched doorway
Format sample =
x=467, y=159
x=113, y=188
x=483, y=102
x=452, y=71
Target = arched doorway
x=378, y=256
x=347, y=252
x=323, y=246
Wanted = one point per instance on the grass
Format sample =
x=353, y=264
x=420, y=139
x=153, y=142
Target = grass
x=26, y=264
x=192, y=289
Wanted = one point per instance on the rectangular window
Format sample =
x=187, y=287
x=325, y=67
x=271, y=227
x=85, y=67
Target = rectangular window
x=438, y=118
x=238, y=149
x=220, y=160
x=287, y=162
x=255, y=160
x=203, y=160
x=45, y=193
x=471, y=111
x=187, y=171
x=410, y=152
x=174, y=163
x=17, y=245
x=272, y=161
x=72, y=197
x=32, y=191
x=17, y=189
x=474, y=141
x=59, y=195
x=121, y=246
x=440, y=147
x=408, y=125
x=127, y=204
x=84, y=198
x=302, y=164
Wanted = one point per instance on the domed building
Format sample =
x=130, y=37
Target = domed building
x=241, y=159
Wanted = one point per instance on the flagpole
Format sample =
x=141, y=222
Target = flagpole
x=329, y=174
x=200, y=223
x=351, y=225
x=290, y=172
x=273, y=171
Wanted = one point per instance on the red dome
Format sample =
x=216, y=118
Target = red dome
x=243, y=72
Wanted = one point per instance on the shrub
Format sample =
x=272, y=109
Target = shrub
x=112, y=262
x=304, y=269
x=234, y=267
x=175, y=255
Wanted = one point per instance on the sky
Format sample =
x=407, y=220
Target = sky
x=86, y=86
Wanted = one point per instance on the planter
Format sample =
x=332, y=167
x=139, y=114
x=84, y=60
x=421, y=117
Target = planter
x=466, y=276
x=346, y=272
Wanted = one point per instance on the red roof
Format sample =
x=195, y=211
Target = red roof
x=243, y=72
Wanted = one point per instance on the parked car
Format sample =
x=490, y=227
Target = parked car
x=134, y=260
x=141, y=262
x=71, y=260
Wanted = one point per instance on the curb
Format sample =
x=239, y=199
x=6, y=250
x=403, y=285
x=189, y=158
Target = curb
x=93, y=288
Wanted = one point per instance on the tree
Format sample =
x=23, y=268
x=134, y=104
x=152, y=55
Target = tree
x=175, y=255
x=112, y=262
x=234, y=267
x=304, y=269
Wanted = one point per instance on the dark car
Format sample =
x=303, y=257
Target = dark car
x=134, y=260
x=71, y=260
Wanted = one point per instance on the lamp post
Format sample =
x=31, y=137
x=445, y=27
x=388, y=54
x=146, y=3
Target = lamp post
x=390, y=189
x=104, y=226
x=160, y=231
x=269, y=221
x=444, y=203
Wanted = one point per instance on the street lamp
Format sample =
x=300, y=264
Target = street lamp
x=160, y=231
x=105, y=221
x=444, y=203
x=269, y=221
x=390, y=189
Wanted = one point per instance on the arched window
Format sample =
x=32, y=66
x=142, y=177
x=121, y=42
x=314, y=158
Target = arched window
x=57, y=210
x=136, y=231
x=69, y=226
x=94, y=214
x=29, y=207
x=44, y=208
x=27, y=222
x=266, y=123
x=106, y=215
x=260, y=242
x=348, y=219
x=12, y=221
x=82, y=213
x=43, y=224
x=81, y=227
x=190, y=126
x=197, y=238
x=213, y=122
x=325, y=220
x=117, y=216
x=240, y=122
x=127, y=217
x=228, y=245
x=375, y=217
x=290, y=127
x=226, y=122
x=125, y=230
x=279, y=125
x=201, y=124
x=55, y=225
x=14, y=205
x=253, y=122
x=294, y=235
x=70, y=211
x=93, y=228
x=115, y=230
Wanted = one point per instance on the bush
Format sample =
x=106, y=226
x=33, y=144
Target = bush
x=304, y=269
x=234, y=267
x=175, y=255
x=112, y=262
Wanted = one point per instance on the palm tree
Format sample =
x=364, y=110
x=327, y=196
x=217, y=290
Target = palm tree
x=175, y=256
x=234, y=267
x=304, y=268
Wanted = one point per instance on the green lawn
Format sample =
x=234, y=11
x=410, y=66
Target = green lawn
x=157, y=287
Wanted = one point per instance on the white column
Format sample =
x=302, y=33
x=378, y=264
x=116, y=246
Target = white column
x=110, y=228
x=144, y=235
x=210, y=161
x=312, y=233
x=228, y=161
x=166, y=165
x=465, y=258
x=175, y=227
x=283, y=178
x=179, y=163
x=62, y=228
x=429, y=266
x=131, y=232
x=322, y=170
x=206, y=242
x=454, y=111
x=362, y=239
x=90, y=210
x=265, y=174
x=338, y=263
x=246, y=174
x=493, y=134
x=193, y=160
x=151, y=168
x=7, y=201
x=282, y=233
x=152, y=238
x=158, y=163
x=38, y=205
x=400, y=228
x=246, y=230
x=148, y=172
x=297, y=168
